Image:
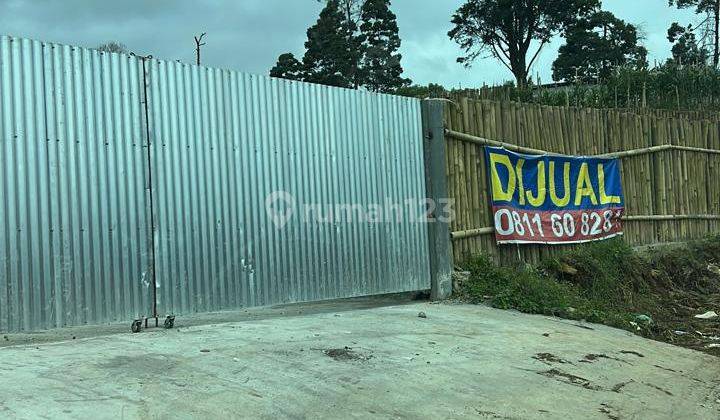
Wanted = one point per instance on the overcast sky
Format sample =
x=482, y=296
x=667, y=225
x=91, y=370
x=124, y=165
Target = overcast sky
x=248, y=35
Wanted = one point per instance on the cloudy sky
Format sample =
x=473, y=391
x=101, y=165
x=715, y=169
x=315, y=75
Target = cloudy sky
x=248, y=35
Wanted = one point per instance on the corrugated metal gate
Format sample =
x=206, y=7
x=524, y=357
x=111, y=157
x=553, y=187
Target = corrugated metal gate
x=82, y=186
x=73, y=201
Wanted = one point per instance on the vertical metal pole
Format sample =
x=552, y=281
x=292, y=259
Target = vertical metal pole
x=441, y=260
x=150, y=189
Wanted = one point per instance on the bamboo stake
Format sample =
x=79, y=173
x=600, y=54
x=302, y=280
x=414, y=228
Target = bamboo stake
x=471, y=233
x=674, y=217
x=528, y=150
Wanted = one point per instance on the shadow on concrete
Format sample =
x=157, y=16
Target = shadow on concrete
x=242, y=315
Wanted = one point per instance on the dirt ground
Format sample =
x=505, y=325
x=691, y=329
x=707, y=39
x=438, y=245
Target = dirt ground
x=360, y=359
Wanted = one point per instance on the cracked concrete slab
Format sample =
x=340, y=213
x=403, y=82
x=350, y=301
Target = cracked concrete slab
x=348, y=360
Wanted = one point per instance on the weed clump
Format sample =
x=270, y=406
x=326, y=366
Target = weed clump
x=610, y=283
x=525, y=289
x=609, y=274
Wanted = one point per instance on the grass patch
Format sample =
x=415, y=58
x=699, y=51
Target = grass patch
x=610, y=283
x=526, y=289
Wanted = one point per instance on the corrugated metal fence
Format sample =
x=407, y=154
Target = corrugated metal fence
x=82, y=185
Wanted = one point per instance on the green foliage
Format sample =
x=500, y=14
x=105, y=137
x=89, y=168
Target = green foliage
x=601, y=282
x=332, y=50
x=687, y=266
x=524, y=289
x=710, y=9
x=381, y=70
x=355, y=43
x=288, y=67
x=595, y=45
x=505, y=29
x=608, y=273
x=670, y=86
x=607, y=282
x=350, y=8
x=423, y=92
x=685, y=50
x=701, y=6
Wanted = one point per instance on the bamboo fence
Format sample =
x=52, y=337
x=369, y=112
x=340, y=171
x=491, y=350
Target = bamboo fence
x=670, y=168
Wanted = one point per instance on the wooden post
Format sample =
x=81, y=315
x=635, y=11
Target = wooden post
x=644, y=97
x=441, y=259
x=616, y=97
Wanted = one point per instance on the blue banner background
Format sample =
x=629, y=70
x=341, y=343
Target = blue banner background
x=613, y=186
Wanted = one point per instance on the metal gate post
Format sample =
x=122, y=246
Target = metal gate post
x=441, y=260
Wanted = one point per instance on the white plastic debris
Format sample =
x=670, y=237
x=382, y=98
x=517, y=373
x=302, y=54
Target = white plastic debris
x=707, y=315
x=644, y=320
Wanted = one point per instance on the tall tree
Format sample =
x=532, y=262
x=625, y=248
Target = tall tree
x=352, y=12
x=685, y=49
x=288, y=67
x=710, y=24
x=354, y=43
x=507, y=29
x=595, y=45
x=331, y=57
x=380, y=69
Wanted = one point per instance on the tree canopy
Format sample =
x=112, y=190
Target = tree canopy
x=423, y=92
x=595, y=45
x=685, y=49
x=351, y=9
x=508, y=29
x=380, y=70
x=330, y=57
x=113, y=47
x=709, y=26
x=354, y=43
x=287, y=67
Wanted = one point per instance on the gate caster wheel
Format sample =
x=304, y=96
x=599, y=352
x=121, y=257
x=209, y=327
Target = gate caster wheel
x=136, y=326
x=169, y=322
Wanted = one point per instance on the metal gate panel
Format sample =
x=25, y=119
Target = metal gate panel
x=77, y=205
x=222, y=141
x=73, y=200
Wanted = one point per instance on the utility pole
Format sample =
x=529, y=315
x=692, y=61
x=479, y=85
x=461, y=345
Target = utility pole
x=198, y=44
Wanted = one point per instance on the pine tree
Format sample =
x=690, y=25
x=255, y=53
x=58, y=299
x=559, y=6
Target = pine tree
x=331, y=55
x=352, y=12
x=351, y=9
x=380, y=69
x=288, y=67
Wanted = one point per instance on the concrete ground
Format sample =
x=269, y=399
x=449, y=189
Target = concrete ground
x=355, y=359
